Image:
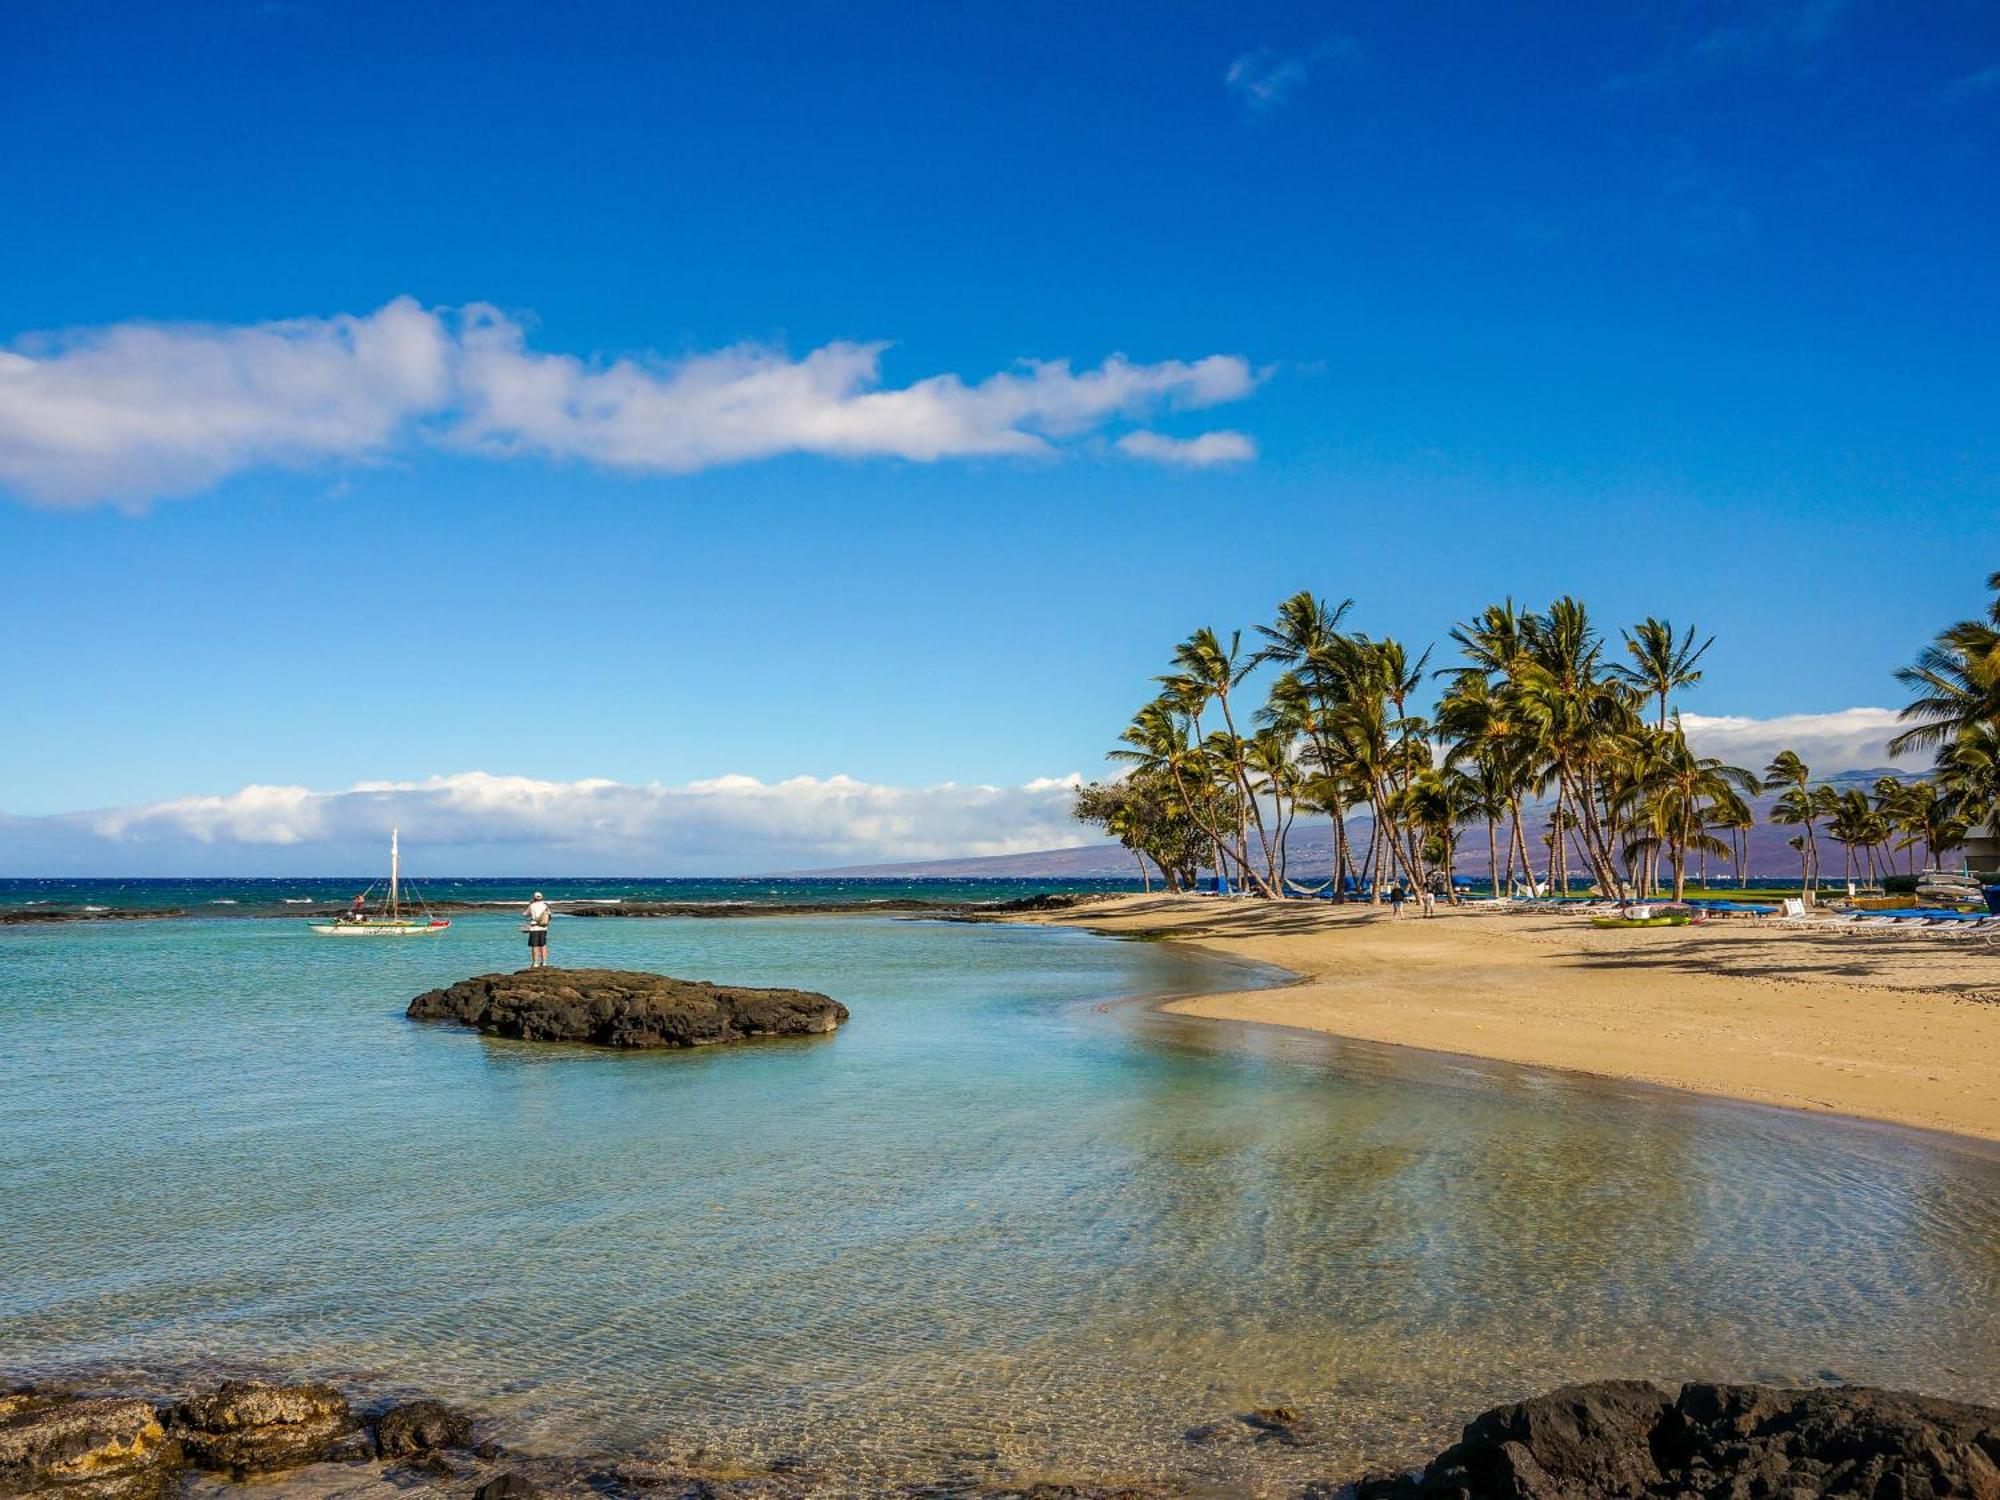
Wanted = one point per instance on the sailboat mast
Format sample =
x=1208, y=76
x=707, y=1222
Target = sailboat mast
x=394, y=910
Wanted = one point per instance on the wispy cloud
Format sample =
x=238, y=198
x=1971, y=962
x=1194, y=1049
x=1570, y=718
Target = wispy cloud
x=136, y=412
x=729, y=823
x=1210, y=448
x=1265, y=78
x=1847, y=739
x=1736, y=34
x=1972, y=85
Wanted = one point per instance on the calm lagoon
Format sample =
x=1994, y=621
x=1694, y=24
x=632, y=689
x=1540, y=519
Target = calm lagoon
x=1008, y=1221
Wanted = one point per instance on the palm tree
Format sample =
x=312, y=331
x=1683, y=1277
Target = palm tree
x=1681, y=797
x=1208, y=673
x=1854, y=824
x=1956, y=679
x=1927, y=816
x=1579, y=721
x=1436, y=801
x=1305, y=640
x=1156, y=744
x=1733, y=814
x=1481, y=715
x=1268, y=757
x=1968, y=774
x=1797, y=807
x=1661, y=661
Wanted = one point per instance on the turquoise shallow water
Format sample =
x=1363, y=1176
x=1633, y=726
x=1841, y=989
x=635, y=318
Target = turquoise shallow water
x=1001, y=1224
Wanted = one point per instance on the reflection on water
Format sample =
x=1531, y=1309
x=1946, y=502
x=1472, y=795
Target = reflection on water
x=992, y=1227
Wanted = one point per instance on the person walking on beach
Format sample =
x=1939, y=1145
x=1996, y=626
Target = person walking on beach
x=1427, y=900
x=538, y=914
x=1396, y=899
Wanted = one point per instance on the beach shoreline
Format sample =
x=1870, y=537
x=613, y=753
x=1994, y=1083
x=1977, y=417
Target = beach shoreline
x=1886, y=1028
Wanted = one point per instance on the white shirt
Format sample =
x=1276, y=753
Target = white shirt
x=538, y=913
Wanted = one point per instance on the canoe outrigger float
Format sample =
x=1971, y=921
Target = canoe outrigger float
x=388, y=919
x=1643, y=916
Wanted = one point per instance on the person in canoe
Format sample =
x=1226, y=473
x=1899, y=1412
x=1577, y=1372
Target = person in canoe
x=538, y=914
x=354, y=911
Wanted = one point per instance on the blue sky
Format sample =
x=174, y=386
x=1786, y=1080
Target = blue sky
x=1686, y=308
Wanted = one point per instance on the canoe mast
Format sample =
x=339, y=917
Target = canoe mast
x=394, y=913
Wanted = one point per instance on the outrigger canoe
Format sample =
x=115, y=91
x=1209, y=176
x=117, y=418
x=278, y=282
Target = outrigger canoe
x=1678, y=919
x=381, y=927
x=388, y=920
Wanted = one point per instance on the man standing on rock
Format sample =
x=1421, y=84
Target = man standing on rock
x=538, y=915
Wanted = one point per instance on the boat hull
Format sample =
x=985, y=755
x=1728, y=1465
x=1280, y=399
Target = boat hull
x=1640, y=921
x=378, y=929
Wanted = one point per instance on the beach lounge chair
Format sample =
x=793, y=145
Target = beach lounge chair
x=1793, y=913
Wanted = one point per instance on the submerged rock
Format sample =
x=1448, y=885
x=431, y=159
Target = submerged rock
x=1280, y=1425
x=624, y=1008
x=421, y=1427
x=1627, y=1440
x=103, y=1448
x=248, y=1427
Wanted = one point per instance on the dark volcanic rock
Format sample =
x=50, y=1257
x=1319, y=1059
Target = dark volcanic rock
x=508, y=1486
x=1044, y=901
x=420, y=1427
x=247, y=1427
x=75, y=914
x=1625, y=1440
x=620, y=1008
x=59, y=1445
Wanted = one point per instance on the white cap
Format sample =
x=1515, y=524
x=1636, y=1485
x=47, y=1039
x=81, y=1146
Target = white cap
x=538, y=895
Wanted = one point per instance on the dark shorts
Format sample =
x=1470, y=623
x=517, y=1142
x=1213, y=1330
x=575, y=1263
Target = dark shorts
x=538, y=937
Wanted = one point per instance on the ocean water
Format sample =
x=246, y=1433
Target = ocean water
x=283, y=895
x=1008, y=1222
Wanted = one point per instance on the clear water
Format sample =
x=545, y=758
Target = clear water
x=273, y=895
x=1003, y=1224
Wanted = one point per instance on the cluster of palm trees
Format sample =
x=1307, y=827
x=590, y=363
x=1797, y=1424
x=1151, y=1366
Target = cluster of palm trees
x=1540, y=724
x=1868, y=827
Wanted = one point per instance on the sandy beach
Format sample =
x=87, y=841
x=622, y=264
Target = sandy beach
x=1885, y=1026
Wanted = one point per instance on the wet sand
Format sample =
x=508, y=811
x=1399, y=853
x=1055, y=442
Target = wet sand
x=1883, y=1025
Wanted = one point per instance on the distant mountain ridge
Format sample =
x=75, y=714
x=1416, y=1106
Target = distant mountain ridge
x=1311, y=850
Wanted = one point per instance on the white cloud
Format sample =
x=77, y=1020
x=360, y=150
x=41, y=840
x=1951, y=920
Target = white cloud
x=1265, y=78
x=1848, y=739
x=1196, y=452
x=729, y=823
x=137, y=412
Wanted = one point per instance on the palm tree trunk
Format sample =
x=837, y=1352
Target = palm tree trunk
x=1558, y=866
x=1243, y=784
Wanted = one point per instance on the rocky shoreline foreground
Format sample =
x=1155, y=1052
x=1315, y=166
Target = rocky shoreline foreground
x=625, y=1008
x=1611, y=1440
